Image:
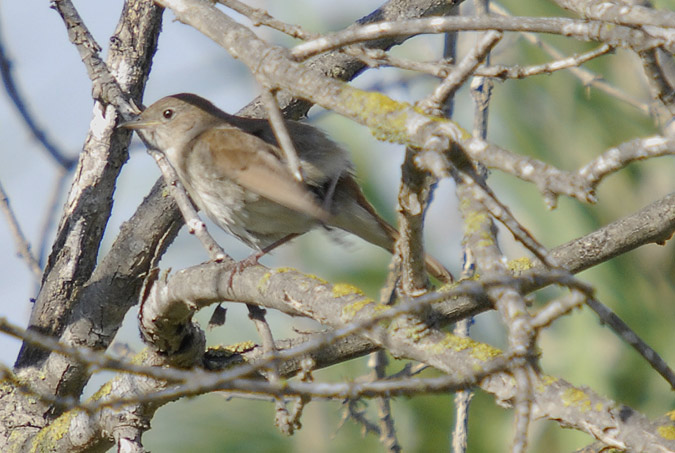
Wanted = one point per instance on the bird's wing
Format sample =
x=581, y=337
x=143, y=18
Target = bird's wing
x=253, y=164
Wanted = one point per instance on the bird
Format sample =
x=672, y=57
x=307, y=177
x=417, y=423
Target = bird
x=235, y=172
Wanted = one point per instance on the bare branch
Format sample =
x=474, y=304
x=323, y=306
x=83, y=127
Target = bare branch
x=281, y=133
x=616, y=158
x=620, y=13
x=587, y=77
x=64, y=297
x=260, y=17
x=90, y=200
x=653, y=224
x=629, y=336
x=22, y=245
x=195, y=225
x=462, y=71
x=662, y=89
x=618, y=36
x=516, y=72
x=12, y=90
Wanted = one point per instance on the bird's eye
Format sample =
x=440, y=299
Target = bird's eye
x=168, y=113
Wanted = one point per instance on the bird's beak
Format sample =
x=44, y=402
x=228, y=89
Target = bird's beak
x=136, y=123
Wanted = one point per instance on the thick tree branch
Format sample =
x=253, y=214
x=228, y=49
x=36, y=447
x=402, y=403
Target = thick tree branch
x=75, y=250
x=105, y=151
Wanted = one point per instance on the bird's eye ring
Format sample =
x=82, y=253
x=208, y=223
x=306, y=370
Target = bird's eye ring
x=167, y=114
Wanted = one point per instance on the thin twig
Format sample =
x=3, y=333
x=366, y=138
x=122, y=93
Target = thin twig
x=352, y=412
x=618, y=157
x=629, y=336
x=463, y=70
x=280, y=130
x=195, y=225
x=22, y=245
x=376, y=58
x=12, y=90
x=621, y=13
x=378, y=363
x=580, y=29
x=462, y=400
x=560, y=63
x=659, y=85
x=460, y=432
x=260, y=17
x=587, y=77
x=557, y=308
x=442, y=68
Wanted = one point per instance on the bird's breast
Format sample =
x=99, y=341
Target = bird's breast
x=255, y=220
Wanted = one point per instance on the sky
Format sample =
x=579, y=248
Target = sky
x=54, y=84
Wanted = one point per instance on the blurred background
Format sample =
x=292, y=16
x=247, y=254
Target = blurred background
x=555, y=118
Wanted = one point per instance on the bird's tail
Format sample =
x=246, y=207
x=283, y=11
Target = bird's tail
x=353, y=213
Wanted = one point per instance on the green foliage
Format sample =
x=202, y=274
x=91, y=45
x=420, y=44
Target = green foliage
x=554, y=118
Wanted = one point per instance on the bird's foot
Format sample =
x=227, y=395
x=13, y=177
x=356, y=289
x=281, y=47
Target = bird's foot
x=239, y=266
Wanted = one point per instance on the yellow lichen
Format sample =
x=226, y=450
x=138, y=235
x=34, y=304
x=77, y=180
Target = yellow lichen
x=475, y=221
x=264, y=280
x=345, y=289
x=104, y=390
x=484, y=352
x=46, y=438
x=349, y=311
x=240, y=347
x=372, y=106
x=480, y=351
x=141, y=357
x=282, y=270
x=220, y=352
x=5, y=387
x=577, y=398
x=316, y=278
x=667, y=432
x=519, y=265
x=388, y=119
x=548, y=380
x=545, y=380
x=485, y=242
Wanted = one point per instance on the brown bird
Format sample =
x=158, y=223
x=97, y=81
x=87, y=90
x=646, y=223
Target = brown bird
x=233, y=170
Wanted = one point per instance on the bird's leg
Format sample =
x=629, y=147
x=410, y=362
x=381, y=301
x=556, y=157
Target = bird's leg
x=252, y=260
